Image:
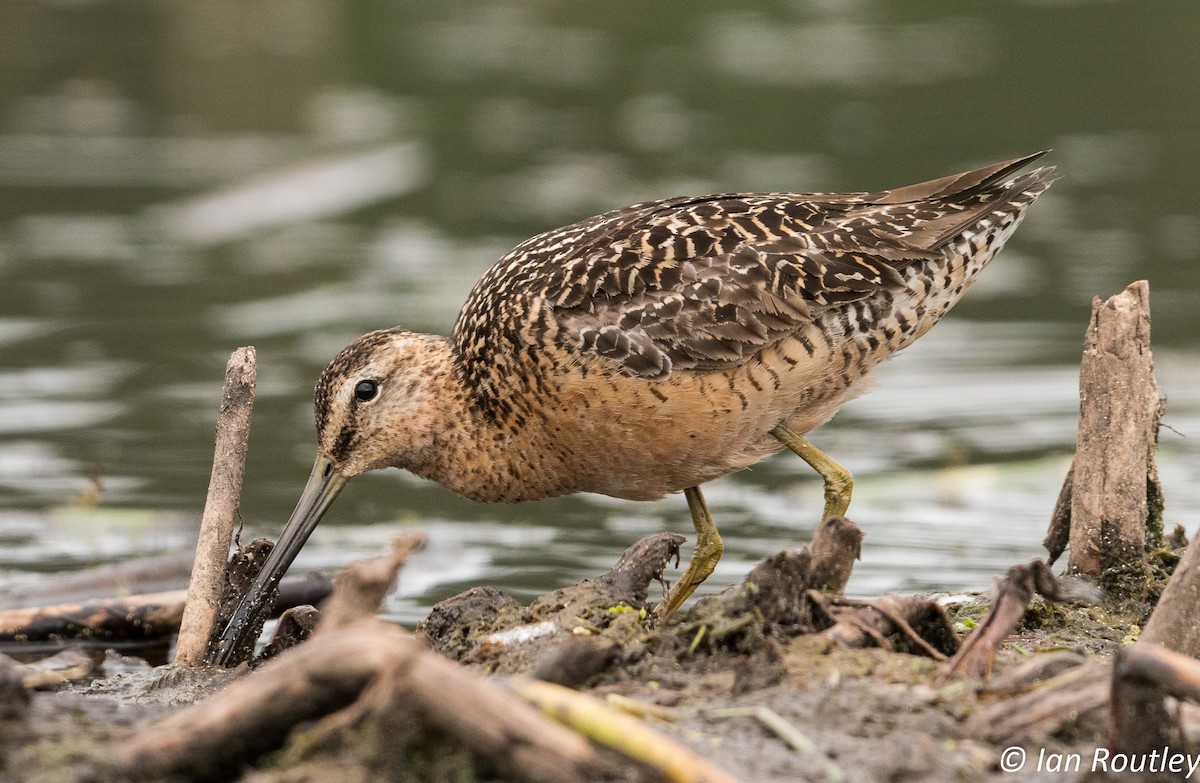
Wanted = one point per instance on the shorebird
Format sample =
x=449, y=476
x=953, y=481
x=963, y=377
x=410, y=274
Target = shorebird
x=650, y=349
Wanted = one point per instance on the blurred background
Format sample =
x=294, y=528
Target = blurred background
x=181, y=178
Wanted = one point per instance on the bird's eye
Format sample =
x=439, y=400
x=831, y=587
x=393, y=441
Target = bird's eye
x=366, y=391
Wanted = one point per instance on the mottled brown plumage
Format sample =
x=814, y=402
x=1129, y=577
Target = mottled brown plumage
x=656, y=347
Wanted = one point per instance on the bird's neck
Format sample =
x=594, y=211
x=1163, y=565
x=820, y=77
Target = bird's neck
x=467, y=449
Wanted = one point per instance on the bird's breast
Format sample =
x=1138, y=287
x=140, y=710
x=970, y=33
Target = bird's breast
x=591, y=429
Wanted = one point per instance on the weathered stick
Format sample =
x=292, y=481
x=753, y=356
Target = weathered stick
x=1175, y=623
x=365, y=583
x=220, y=509
x=256, y=713
x=1059, y=533
x=133, y=617
x=1120, y=408
x=629, y=580
x=977, y=653
x=137, y=617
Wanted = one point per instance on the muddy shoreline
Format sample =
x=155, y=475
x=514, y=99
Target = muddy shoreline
x=869, y=714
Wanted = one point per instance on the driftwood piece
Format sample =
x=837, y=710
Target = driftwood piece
x=1058, y=536
x=640, y=564
x=365, y=583
x=1143, y=676
x=255, y=714
x=133, y=618
x=1013, y=594
x=785, y=592
x=1113, y=486
x=836, y=544
x=627, y=582
x=917, y=625
x=136, y=618
x=1175, y=623
x=381, y=670
x=220, y=509
x=294, y=626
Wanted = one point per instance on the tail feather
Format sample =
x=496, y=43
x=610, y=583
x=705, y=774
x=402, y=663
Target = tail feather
x=956, y=184
x=923, y=219
x=1012, y=196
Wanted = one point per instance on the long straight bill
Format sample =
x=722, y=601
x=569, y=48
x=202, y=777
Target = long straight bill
x=323, y=486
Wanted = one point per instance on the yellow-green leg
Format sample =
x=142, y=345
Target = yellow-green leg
x=838, y=481
x=704, y=557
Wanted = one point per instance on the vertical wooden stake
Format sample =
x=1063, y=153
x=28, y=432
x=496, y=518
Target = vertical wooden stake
x=1119, y=411
x=220, y=509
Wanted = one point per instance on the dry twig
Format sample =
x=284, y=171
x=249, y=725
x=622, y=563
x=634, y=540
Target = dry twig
x=1013, y=594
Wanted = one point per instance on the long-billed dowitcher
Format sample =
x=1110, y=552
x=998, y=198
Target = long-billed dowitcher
x=653, y=348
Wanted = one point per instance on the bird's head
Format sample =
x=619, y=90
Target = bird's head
x=371, y=399
x=366, y=406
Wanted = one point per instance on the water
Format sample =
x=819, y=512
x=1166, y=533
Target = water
x=178, y=181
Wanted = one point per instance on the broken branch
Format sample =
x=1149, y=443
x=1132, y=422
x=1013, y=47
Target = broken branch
x=220, y=509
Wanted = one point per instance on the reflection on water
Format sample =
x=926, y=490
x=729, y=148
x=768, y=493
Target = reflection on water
x=177, y=181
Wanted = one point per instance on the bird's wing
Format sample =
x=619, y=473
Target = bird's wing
x=708, y=284
x=704, y=283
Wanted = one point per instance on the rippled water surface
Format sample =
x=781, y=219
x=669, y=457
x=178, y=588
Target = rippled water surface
x=179, y=180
